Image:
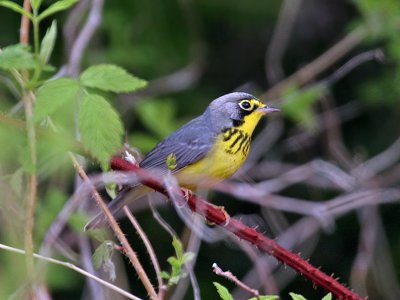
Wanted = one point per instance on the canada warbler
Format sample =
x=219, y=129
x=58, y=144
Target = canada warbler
x=208, y=149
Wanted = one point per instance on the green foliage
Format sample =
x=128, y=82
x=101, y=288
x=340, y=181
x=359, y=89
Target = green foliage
x=327, y=297
x=36, y=4
x=56, y=7
x=77, y=221
x=226, y=295
x=111, y=78
x=15, y=7
x=47, y=210
x=295, y=296
x=17, y=57
x=298, y=105
x=177, y=263
x=223, y=291
x=381, y=17
x=54, y=95
x=100, y=127
x=47, y=45
x=102, y=258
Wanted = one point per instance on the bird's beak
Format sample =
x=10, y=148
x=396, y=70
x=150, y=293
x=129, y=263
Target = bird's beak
x=267, y=109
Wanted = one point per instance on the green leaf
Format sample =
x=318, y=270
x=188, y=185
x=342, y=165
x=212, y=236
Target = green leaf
x=15, y=7
x=77, y=221
x=164, y=275
x=17, y=57
x=297, y=296
x=53, y=95
x=223, y=291
x=265, y=297
x=158, y=116
x=46, y=48
x=142, y=141
x=56, y=7
x=177, y=244
x=102, y=258
x=327, y=297
x=100, y=127
x=111, y=78
x=36, y=4
x=298, y=105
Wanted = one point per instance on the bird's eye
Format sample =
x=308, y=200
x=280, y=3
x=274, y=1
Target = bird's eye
x=246, y=105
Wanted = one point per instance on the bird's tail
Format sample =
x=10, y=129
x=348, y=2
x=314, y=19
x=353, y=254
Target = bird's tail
x=123, y=198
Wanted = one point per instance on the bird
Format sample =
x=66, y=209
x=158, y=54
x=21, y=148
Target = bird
x=206, y=150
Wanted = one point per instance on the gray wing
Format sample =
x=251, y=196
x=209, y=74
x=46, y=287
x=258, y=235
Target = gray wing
x=189, y=144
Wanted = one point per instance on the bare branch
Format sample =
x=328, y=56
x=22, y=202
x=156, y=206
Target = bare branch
x=72, y=267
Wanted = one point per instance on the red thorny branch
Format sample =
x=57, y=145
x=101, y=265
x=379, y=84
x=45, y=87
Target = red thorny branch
x=220, y=217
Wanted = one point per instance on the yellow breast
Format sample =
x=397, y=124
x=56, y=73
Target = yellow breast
x=225, y=157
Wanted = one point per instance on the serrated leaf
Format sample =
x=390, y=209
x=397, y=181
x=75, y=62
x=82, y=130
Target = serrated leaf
x=36, y=4
x=15, y=7
x=56, y=7
x=101, y=253
x=296, y=296
x=327, y=297
x=47, y=45
x=53, y=95
x=102, y=258
x=100, y=127
x=223, y=291
x=111, y=78
x=17, y=57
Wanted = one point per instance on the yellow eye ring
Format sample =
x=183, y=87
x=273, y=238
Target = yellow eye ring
x=246, y=105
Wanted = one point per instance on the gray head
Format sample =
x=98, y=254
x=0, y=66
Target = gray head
x=232, y=110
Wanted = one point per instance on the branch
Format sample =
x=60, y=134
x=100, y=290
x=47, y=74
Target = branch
x=220, y=217
x=72, y=267
x=117, y=231
x=321, y=63
x=229, y=275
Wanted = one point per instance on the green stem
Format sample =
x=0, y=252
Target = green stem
x=36, y=47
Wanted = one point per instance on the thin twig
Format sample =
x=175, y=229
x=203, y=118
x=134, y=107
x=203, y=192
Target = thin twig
x=229, y=275
x=72, y=267
x=82, y=41
x=118, y=232
x=280, y=39
x=220, y=217
x=149, y=248
x=321, y=63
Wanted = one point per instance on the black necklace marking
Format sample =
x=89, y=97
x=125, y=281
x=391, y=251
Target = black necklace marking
x=240, y=137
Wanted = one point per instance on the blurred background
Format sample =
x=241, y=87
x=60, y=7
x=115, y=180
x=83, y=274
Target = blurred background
x=326, y=170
